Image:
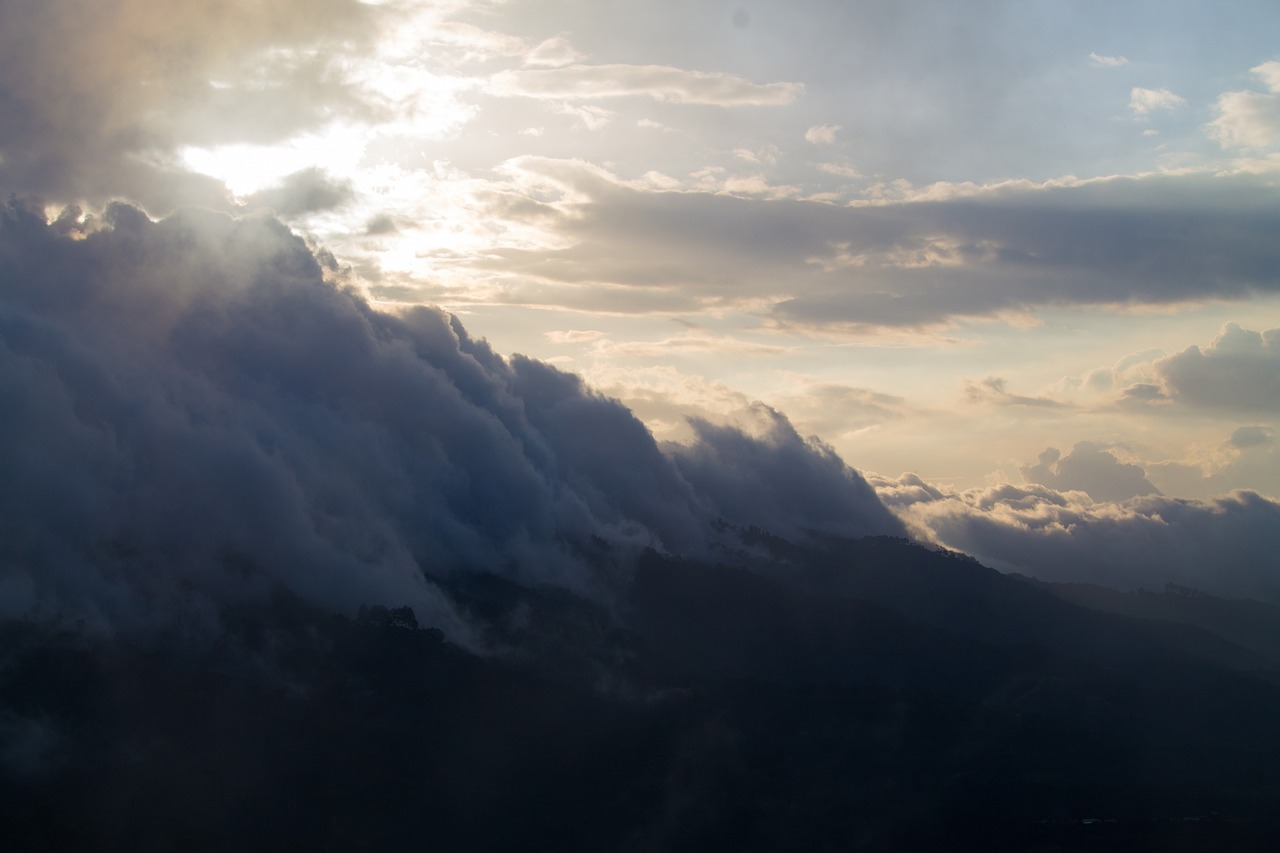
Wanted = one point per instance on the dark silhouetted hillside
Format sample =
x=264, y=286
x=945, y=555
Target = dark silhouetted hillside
x=909, y=700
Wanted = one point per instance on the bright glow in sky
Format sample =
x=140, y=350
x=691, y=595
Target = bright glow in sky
x=944, y=237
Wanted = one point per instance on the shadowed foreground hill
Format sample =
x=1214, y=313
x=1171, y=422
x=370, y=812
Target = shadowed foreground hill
x=859, y=695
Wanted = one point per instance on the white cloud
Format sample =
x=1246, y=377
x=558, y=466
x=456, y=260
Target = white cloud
x=839, y=169
x=592, y=117
x=766, y=155
x=660, y=82
x=1143, y=101
x=821, y=134
x=575, y=336
x=552, y=53
x=1107, y=61
x=694, y=343
x=1248, y=119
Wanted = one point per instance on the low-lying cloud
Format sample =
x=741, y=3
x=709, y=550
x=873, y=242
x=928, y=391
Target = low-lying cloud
x=1225, y=546
x=196, y=412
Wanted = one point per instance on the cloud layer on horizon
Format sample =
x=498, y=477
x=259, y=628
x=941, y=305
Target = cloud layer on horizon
x=1225, y=546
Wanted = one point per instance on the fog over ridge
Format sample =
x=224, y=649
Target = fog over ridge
x=198, y=411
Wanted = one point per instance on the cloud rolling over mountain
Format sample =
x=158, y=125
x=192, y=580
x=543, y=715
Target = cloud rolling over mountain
x=198, y=413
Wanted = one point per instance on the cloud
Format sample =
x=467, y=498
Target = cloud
x=1143, y=393
x=839, y=169
x=1107, y=61
x=1236, y=371
x=659, y=82
x=1248, y=119
x=778, y=480
x=593, y=118
x=1248, y=459
x=1225, y=546
x=576, y=336
x=305, y=191
x=196, y=412
x=1144, y=101
x=98, y=96
x=832, y=409
x=554, y=52
x=693, y=343
x=1247, y=437
x=821, y=134
x=1092, y=469
x=992, y=391
x=1239, y=370
x=914, y=264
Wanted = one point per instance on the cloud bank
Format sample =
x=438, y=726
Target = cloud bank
x=951, y=252
x=196, y=412
x=1225, y=546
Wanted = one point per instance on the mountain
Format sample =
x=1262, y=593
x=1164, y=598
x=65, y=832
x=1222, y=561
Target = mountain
x=861, y=694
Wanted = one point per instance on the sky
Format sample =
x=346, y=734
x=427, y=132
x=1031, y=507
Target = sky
x=1013, y=261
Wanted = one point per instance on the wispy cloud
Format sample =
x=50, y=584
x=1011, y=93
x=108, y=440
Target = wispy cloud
x=821, y=134
x=554, y=52
x=993, y=391
x=199, y=395
x=1144, y=101
x=1102, y=61
x=659, y=82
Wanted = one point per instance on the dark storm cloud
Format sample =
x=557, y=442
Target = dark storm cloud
x=97, y=94
x=967, y=252
x=194, y=413
x=1225, y=546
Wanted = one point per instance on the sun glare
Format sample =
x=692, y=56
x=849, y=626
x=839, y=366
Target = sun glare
x=247, y=169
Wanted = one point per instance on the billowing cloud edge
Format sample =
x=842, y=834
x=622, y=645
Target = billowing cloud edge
x=203, y=411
